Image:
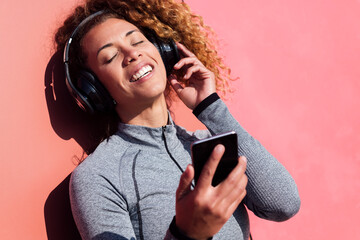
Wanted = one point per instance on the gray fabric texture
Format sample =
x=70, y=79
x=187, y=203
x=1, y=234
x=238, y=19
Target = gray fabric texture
x=126, y=188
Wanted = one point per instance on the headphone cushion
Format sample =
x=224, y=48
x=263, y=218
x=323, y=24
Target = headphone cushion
x=95, y=95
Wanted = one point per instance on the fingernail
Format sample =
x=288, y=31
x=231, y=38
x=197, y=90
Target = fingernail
x=219, y=147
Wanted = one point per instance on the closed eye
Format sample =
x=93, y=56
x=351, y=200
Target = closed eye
x=110, y=60
x=137, y=43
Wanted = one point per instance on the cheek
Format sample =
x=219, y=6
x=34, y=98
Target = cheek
x=160, y=63
x=155, y=54
x=111, y=79
x=106, y=75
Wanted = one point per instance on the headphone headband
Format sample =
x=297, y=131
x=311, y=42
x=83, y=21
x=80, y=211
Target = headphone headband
x=76, y=30
x=91, y=97
x=88, y=91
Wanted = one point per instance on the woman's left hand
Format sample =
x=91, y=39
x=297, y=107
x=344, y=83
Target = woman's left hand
x=201, y=80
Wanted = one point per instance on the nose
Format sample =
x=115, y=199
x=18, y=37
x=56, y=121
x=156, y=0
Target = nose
x=131, y=54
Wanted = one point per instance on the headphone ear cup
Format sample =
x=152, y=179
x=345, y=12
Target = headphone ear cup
x=94, y=96
x=167, y=49
x=170, y=55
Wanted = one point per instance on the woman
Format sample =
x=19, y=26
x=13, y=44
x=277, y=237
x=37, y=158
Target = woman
x=137, y=184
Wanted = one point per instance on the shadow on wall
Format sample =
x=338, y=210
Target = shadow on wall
x=58, y=217
x=68, y=121
x=66, y=118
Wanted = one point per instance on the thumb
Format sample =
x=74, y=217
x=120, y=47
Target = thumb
x=185, y=182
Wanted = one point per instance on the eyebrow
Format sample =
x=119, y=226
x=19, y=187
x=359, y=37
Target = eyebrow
x=111, y=44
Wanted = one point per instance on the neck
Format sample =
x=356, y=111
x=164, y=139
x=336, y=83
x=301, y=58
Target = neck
x=149, y=115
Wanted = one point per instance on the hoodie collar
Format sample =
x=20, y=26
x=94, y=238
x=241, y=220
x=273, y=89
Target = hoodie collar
x=146, y=136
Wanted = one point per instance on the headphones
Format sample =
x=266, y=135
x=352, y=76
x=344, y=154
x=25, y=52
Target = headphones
x=88, y=92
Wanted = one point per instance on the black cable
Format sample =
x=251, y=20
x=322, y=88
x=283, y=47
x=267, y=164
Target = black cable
x=168, y=151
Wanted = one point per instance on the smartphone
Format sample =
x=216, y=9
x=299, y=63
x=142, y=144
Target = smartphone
x=202, y=149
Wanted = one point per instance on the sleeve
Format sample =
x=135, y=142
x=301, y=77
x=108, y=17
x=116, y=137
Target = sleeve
x=271, y=191
x=99, y=210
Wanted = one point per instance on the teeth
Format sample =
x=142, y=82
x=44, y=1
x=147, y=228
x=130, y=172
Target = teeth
x=141, y=73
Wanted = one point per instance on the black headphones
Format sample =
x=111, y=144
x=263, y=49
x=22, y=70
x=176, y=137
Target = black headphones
x=88, y=91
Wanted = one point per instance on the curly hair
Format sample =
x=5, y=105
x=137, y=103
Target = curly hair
x=169, y=19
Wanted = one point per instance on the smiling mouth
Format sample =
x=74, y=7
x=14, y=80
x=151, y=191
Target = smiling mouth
x=144, y=71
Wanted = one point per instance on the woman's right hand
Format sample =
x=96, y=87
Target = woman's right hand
x=201, y=212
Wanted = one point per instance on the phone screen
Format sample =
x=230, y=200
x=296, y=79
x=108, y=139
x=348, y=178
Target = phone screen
x=202, y=149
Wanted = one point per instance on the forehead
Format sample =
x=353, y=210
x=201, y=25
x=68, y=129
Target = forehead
x=108, y=31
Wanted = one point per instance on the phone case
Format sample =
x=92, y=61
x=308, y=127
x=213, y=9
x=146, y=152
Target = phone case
x=202, y=149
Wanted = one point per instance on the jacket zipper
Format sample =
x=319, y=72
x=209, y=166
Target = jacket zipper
x=168, y=151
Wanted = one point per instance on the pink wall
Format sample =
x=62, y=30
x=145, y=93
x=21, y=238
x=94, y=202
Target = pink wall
x=298, y=94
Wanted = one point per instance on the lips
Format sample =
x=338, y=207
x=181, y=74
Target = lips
x=141, y=73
